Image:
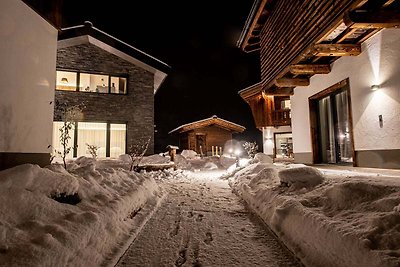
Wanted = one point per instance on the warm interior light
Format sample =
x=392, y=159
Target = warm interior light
x=375, y=87
x=64, y=80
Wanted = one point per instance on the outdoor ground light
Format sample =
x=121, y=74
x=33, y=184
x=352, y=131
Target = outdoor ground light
x=375, y=87
x=64, y=80
x=238, y=152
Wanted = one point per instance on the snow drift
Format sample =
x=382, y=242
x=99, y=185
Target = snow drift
x=36, y=230
x=326, y=220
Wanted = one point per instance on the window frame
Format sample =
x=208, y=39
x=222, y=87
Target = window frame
x=109, y=76
x=108, y=135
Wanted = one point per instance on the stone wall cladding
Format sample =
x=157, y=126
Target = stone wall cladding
x=136, y=108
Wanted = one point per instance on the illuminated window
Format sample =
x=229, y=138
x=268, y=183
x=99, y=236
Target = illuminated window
x=117, y=140
x=92, y=133
x=93, y=83
x=110, y=144
x=66, y=80
x=118, y=85
x=90, y=82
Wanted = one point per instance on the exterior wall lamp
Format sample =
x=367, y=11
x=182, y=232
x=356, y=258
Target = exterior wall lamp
x=375, y=87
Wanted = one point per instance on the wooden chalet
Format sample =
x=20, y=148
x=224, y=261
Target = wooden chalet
x=312, y=45
x=208, y=136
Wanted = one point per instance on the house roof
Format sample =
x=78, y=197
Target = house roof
x=213, y=120
x=87, y=33
x=298, y=39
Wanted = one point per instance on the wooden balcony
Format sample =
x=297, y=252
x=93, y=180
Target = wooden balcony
x=281, y=117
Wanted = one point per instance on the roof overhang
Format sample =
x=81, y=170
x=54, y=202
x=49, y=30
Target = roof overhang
x=292, y=64
x=214, y=120
x=102, y=40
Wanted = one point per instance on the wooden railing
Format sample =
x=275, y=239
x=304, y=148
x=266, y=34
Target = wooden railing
x=281, y=117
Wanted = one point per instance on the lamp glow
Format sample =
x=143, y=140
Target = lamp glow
x=375, y=87
x=238, y=152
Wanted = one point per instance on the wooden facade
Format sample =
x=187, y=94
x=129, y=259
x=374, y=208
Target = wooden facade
x=267, y=109
x=297, y=39
x=206, y=136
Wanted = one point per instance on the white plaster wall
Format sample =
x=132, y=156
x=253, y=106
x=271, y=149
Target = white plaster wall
x=379, y=63
x=28, y=47
x=268, y=137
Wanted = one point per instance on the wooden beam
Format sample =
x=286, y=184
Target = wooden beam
x=365, y=19
x=388, y=3
x=346, y=33
x=254, y=23
x=292, y=82
x=310, y=69
x=367, y=35
x=336, y=50
x=252, y=47
x=278, y=91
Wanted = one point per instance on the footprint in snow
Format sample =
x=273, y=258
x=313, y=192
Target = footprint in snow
x=199, y=218
x=209, y=238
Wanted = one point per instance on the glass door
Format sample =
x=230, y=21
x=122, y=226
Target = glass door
x=333, y=128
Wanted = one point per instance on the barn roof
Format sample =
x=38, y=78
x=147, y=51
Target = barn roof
x=213, y=120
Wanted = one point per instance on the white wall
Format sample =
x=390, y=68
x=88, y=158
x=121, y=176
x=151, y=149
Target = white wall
x=379, y=63
x=268, y=137
x=27, y=78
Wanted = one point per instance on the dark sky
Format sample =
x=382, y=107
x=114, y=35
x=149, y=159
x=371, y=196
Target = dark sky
x=198, y=40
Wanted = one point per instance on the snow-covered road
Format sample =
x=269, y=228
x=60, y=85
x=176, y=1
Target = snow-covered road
x=202, y=223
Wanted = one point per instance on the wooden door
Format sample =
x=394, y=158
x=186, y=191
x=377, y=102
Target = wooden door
x=201, y=144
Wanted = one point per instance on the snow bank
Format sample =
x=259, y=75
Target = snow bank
x=301, y=177
x=262, y=158
x=155, y=159
x=189, y=154
x=182, y=163
x=326, y=220
x=36, y=230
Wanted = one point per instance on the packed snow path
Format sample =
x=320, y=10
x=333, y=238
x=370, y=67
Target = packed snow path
x=202, y=223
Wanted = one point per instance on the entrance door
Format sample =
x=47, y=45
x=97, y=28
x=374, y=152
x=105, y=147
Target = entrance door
x=283, y=145
x=332, y=126
x=201, y=144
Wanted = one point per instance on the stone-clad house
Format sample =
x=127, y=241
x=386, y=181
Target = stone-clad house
x=113, y=83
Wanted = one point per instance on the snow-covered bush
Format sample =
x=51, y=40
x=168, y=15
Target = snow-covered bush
x=92, y=150
x=136, y=152
x=67, y=114
x=251, y=148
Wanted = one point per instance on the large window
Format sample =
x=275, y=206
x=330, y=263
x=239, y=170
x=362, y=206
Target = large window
x=66, y=80
x=92, y=133
x=90, y=82
x=110, y=138
x=117, y=139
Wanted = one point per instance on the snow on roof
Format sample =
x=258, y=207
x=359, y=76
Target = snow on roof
x=209, y=121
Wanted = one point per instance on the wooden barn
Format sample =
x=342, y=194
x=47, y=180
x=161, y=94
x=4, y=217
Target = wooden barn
x=208, y=136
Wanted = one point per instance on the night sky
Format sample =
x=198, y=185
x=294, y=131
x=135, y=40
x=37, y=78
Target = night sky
x=198, y=40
